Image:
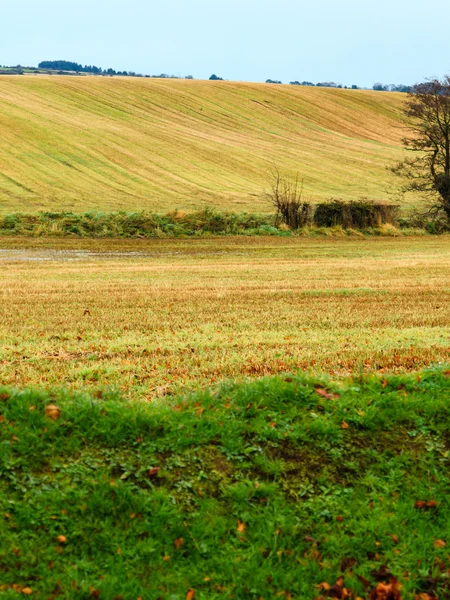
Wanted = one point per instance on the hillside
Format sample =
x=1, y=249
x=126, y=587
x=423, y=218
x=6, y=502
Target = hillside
x=86, y=143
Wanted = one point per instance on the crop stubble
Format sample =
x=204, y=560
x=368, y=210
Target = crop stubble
x=153, y=316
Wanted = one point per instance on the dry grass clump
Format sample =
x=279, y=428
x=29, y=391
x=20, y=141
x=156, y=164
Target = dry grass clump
x=153, y=316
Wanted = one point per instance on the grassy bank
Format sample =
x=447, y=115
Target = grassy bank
x=260, y=490
x=177, y=224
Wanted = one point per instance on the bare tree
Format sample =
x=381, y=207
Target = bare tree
x=428, y=111
x=287, y=197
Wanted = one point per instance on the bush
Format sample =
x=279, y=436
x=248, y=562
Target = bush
x=286, y=196
x=359, y=214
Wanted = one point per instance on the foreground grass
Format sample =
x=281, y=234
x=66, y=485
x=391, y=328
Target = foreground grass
x=85, y=143
x=258, y=490
x=150, y=317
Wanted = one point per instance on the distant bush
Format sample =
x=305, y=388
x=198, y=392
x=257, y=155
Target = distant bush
x=359, y=214
x=215, y=78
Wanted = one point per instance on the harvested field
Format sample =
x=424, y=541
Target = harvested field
x=150, y=317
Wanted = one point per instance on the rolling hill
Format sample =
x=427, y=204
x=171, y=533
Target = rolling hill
x=83, y=143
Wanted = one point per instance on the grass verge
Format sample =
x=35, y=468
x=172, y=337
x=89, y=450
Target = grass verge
x=274, y=488
x=204, y=222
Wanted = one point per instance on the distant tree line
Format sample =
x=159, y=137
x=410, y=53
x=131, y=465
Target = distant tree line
x=331, y=84
x=67, y=65
x=379, y=87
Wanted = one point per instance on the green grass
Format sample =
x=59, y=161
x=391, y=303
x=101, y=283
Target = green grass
x=264, y=490
x=96, y=143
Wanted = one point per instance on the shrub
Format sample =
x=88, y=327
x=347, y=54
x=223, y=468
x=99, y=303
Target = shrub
x=287, y=197
x=359, y=214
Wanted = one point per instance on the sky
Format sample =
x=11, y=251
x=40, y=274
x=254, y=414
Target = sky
x=350, y=42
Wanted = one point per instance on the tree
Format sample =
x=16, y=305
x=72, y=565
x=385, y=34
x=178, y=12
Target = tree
x=428, y=112
x=215, y=78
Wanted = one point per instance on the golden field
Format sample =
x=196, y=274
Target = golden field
x=150, y=317
x=94, y=143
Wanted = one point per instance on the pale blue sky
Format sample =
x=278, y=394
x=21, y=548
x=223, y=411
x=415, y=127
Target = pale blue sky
x=350, y=42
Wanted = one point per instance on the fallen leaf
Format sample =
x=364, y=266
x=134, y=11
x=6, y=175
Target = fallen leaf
x=190, y=595
x=153, y=471
x=178, y=543
x=166, y=558
x=425, y=505
x=52, y=411
x=27, y=591
x=386, y=591
x=324, y=586
x=339, y=519
x=344, y=425
x=394, y=538
x=240, y=527
x=328, y=395
x=62, y=539
x=439, y=544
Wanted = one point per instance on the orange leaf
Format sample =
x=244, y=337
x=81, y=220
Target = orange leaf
x=344, y=425
x=439, y=544
x=190, y=595
x=27, y=591
x=324, y=586
x=328, y=395
x=52, y=411
x=240, y=526
x=62, y=539
x=178, y=543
